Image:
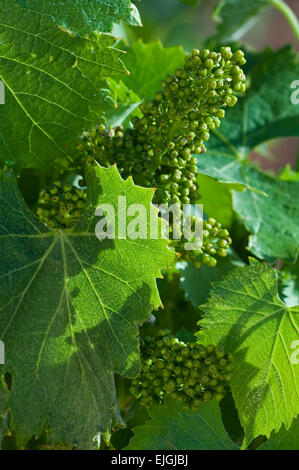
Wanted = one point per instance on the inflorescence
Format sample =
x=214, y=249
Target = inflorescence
x=189, y=373
x=61, y=206
x=175, y=124
x=158, y=150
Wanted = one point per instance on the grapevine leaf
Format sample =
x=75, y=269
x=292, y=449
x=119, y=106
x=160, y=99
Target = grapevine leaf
x=149, y=64
x=70, y=306
x=271, y=209
x=246, y=316
x=284, y=439
x=134, y=17
x=127, y=104
x=172, y=428
x=236, y=17
x=84, y=16
x=196, y=282
x=54, y=85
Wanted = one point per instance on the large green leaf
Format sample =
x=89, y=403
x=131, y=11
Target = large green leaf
x=172, y=428
x=149, y=64
x=83, y=16
x=266, y=112
x=54, y=85
x=236, y=17
x=284, y=439
x=246, y=315
x=70, y=306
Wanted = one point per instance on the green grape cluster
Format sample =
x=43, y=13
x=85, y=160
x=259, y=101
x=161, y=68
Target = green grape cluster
x=61, y=206
x=215, y=242
x=157, y=151
x=189, y=373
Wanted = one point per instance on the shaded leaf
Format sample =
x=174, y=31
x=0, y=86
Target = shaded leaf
x=268, y=207
x=172, y=428
x=70, y=307
x=197, y=282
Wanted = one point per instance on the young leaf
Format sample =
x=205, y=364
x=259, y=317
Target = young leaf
x=149, y=64
x=287, y=174
x=54, y=85
x=133, y=18
x=173, y=428
x=70, y=306
x=245, y=315
x=127, y=104
x=83, y=16
x=284, y=439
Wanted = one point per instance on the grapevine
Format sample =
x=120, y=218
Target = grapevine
x=149, y=248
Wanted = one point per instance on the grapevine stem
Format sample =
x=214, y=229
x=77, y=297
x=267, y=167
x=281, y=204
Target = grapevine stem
x=289, y=15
